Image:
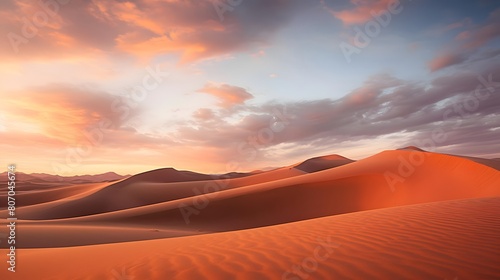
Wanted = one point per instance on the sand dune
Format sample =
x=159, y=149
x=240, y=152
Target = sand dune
x=53, y=193
x=493, y=163
x=322, y=163
x=412, y=148
x=400, y=214
x=52, y=179
x=443, y=240
x=168, y=175
x=132, y=192
x=65, y=235
x=358, y=186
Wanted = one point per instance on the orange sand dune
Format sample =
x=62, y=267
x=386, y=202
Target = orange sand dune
x=37, y=185
x=131, y=192
x=52, y=236
x=168, y=175
x=412, y=148
x=493, y=163
x=357, y=186
x=322, y=163
x=457, y=239
x=266, y=225
x=51, y=193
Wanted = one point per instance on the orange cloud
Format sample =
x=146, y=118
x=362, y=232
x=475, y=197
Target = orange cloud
x=129, y=12
x=445, y=60
x=36, y=31
x=61, y=113
x=145, y=28
x=228, y=95
x=362, y=12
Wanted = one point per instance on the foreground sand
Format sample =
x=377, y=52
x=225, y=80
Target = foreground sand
x=402, y=214
x=443, y=240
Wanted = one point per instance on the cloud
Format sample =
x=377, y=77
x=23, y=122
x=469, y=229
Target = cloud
x=228, y=95
x=204, y=114
x=478, y=36
x=144, y=28
x=443, y=29
x=467, y=42
x=362, y=12
x=445, y=60
x=193, y=29
x=76, y=130
x=381, y=108
x=458, y=104
x=62, y=112
x=36, y=31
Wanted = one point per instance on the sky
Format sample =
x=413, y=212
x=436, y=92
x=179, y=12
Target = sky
x=91, y=86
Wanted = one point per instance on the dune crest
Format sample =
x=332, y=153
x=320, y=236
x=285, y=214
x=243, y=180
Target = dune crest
x=322, y=163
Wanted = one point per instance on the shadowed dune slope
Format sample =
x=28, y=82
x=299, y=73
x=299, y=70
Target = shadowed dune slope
x=457, y=239
x=322, y=163
x=168, y=175
x=52, y=193
x=133, y=192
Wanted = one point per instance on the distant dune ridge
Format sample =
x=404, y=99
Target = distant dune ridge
x=399, y=214
x=42, y=177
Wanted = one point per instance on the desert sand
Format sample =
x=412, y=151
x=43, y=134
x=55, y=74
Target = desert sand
x=400, y=214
